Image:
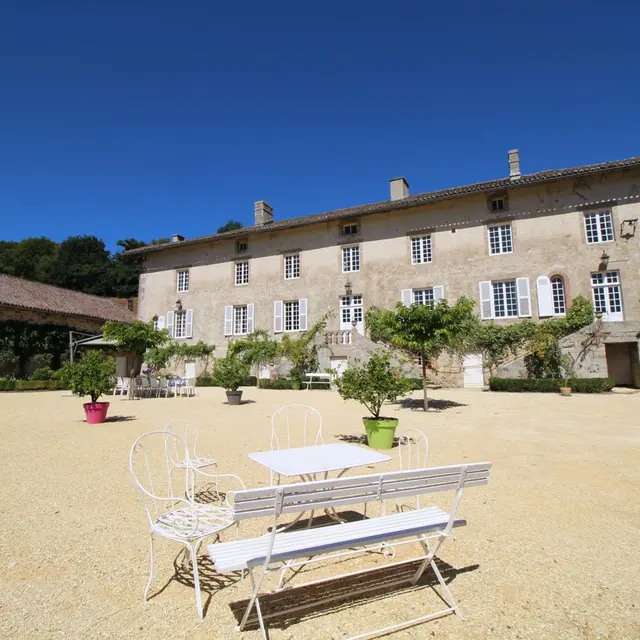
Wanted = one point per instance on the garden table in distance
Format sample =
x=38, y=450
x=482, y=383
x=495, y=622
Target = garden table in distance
x=308, y=462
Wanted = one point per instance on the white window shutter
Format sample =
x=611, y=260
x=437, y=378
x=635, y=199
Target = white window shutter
x=545, y=297
x=302, y=310
x=278, y=309
x=405, y=296
x=486, y=300
x=250, y=312
x=189, y=323
x=170, y=323
x=438, y=293
x=524, y=297
x=160, y=323
x=228, y=320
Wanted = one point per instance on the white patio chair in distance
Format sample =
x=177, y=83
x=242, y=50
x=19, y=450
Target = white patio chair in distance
x=188, y=388
x=176, y=518
x=164, y=387
x=154, y=387
x=413, y=449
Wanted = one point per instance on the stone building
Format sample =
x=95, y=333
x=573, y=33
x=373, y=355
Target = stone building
x=520, y=246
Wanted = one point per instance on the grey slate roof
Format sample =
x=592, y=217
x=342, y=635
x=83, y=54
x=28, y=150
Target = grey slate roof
x=411, y=201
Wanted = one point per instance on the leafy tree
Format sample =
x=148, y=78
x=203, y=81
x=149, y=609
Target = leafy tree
x=31, y=258
x=232, y=225
x=496, y=342
x=230, y=372
x=302, y=352
x=125, y=269
x=92, y=375
x=423, y=331
x=160, y=357
x=256, y=349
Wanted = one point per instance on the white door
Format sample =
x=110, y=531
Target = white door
x=189, y=369
x=338, y=366
x=472, y=367
x=352, y=311
x=264, y=372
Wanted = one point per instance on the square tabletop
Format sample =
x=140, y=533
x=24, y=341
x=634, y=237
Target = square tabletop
x=317, y=459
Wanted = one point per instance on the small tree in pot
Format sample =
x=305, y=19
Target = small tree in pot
x=92, y=375
x=230, y=372
x=373, y=383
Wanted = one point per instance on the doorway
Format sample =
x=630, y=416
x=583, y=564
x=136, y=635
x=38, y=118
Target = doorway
x=352, y=313
x=622, y=363
x=472, y=368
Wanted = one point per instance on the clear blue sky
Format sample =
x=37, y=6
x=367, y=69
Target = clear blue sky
x=141, y=119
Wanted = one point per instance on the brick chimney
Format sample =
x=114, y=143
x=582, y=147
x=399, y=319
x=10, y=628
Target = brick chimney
x=263, y=212
x=514, y=164
x=399, y=188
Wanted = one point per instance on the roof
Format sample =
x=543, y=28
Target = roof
x=27, y=294
x=404, y=203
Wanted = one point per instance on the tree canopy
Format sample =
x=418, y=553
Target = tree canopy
x=231, y=225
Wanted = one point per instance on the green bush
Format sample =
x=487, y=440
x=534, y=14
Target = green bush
x=551, y=385
x=42, y=373
x=210, y=381
x=31, y=385
x=92, y=375
x=278, y=383
x=230, y=372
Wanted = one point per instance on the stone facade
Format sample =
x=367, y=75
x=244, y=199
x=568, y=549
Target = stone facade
x=548, y=234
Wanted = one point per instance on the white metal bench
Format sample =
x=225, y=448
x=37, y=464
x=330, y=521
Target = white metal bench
x=293, y=549
x=317, y=378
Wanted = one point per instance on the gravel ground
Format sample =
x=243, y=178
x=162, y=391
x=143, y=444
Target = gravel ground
x=551, y=549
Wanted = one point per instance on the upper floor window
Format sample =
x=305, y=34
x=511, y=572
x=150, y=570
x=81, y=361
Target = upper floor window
x=421, y=249
x=598, y=226
x=183, y=280
x=292, y=266
x=351, y=258
x=242, y=246
x=497, y=204
x=500, y=240
x=240, y=320
x=242, y=272
x=558, y=296
x=180, y=326
x=292, y=316
x=607, y=295
x=505, y=299
x=350, y=229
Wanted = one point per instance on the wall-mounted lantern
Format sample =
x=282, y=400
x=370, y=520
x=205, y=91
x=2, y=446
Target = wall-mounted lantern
x=178, y=305
x=604, y=261
x=347, y=287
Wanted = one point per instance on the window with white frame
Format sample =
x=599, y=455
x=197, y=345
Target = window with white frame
x=497, y=204
x=351, y=258
x=242, y=246
x=180, y=324
x=607, y=295
x=505, y=299
x=183, y=280
x=351, y=311
x=421, y=249
x=500, y=240
x=156, y=324
x=240, y=325
x=292, y=266
x=350, y=229
x=598, y=226
x=422, y=296
x=242, y=272
x=292, y=316
x=558, y=295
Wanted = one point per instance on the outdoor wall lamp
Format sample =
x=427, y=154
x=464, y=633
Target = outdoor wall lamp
x=604, y=261
x=178, y=305
x=347, y=287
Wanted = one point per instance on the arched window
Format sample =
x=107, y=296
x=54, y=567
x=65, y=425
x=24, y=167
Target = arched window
x=559, y=299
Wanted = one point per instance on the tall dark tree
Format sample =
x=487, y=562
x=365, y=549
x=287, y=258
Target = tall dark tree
x=31, y=258
x=125, y=269
x=232, y=225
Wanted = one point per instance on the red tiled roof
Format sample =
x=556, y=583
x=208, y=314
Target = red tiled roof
x=405, y=203
x=27, y=294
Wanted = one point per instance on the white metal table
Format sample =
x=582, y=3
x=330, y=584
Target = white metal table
x=308, y=462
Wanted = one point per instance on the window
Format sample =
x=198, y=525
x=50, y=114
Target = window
x=292, y=316
x=505, y=299
x=292, y=266
x=497, y=204
x=421, y=249
x=598, y=227
x=183, y=280
x=156, y=324
x=351, y=311
x=350, y=229
x=500, y=240
x=607, y=297
x=241, y=246
x=351, y=258
x=242, y=273
x=557, y=293
x=180, y=328
x=422, y=296
x=240, y=326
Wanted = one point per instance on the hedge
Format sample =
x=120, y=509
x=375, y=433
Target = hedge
x=31, y=385
x=279, y=383
x=550, y=385
x=210, y=381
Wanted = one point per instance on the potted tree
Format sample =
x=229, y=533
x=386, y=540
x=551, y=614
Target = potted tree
x=91, y=376
x=373, y=383
x=230, y=372
x=568, y=368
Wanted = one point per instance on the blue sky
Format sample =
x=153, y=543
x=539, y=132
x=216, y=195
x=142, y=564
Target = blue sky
x=141, y=119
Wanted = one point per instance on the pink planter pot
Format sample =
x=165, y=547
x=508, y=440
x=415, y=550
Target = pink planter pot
x=96, y=412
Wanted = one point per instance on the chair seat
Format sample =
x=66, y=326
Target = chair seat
x=243, y=554
x=180, y=523
x=198, y=463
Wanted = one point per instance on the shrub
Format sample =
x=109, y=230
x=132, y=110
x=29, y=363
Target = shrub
x=31, y=385
x=91, y=376
x=551, y=385
x=278, y=383
x=42, y=373
x=210, y=381
x=230, y=372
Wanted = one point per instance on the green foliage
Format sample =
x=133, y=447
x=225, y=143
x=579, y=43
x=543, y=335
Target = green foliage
x=174, y=352
x=374, y=382
x=92, y=375
x=302, y=351
x=31, y=385
x=231, y=225
x=42, y=373
x=137, y=337
x=496, y=342
x=210, y=381
x=280, y=383
x=230, y=372
x=256, y=349
x=550, y=385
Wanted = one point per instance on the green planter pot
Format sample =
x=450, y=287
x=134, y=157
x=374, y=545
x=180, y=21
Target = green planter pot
x=380, y=432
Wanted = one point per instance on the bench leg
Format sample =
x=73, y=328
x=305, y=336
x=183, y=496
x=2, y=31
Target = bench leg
x=254, y=600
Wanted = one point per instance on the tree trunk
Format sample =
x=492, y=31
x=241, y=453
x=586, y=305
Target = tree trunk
x=135, y=370
x=424, y=384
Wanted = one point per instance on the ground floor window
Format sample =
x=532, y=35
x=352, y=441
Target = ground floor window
x=240, y=325
x=505, y=299
x=292, y=316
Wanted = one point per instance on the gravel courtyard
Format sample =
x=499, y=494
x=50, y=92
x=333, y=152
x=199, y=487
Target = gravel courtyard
x=551, y=549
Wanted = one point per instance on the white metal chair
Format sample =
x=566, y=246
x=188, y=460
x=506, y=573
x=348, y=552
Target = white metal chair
x=122, y=386
x=151, y=463
x=188, y=387
x=164, y=387
x=306, y=423
x=154, y=387
x=145, y=386
x=413, y=449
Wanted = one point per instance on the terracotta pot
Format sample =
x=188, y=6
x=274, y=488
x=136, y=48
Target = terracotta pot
x=565, y=391
x=234, y=397
x=96, y=412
